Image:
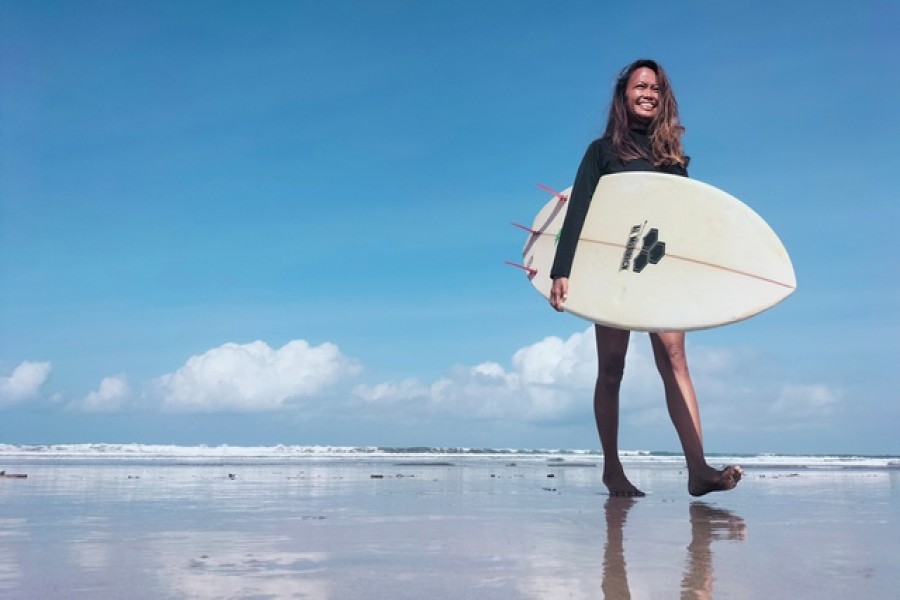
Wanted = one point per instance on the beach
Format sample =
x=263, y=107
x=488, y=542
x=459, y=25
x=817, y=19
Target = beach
x=221, y=523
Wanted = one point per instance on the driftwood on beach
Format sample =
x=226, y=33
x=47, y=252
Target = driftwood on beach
x=13, y=475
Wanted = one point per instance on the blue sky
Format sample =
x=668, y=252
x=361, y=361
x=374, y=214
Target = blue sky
x=285, y=222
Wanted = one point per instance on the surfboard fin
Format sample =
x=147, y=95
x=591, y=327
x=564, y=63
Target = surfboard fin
x=559, y=196
x=526, y=228
x=531, y=272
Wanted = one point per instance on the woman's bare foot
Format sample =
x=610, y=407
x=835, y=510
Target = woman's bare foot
x=618, y=485
x=710, y=480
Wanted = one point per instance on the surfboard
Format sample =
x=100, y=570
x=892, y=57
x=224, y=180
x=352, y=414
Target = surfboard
x=660, y=252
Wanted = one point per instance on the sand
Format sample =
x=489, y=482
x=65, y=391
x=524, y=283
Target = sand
x=474, y=528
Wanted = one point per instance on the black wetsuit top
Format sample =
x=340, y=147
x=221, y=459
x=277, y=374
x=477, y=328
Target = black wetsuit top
x=599, y=160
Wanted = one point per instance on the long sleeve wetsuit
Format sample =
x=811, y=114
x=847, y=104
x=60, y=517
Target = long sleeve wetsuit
x=599, y=160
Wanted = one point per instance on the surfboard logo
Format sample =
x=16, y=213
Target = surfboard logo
x=652, y=249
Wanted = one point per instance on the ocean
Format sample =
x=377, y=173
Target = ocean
x=137, y=521
x=12, y=454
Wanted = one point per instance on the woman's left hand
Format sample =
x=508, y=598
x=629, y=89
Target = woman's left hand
x=559, y=292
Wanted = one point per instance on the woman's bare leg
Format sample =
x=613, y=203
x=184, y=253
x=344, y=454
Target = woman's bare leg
x=668, y=350
x=612, y=344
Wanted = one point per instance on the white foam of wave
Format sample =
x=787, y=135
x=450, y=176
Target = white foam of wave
x=163, y=451
x=146, y=451
x=287, y=452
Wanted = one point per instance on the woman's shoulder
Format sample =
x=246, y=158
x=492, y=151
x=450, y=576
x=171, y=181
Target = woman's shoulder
x=602, y=148
x=597, y=157
x=604, y=141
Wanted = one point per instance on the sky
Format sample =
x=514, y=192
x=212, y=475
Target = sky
x=272, y=223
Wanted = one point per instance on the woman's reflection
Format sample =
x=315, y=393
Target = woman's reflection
x=707, y=524
x=615, y=579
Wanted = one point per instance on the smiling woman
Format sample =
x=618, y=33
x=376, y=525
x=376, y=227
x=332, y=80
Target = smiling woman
x=643, y=133
x=643, y=94
x=643, y=100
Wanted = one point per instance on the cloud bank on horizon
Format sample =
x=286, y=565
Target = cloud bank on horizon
x=549, y=381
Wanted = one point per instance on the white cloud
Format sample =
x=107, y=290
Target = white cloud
x=814, y=402
x=553, y=361
x=553, y=379
x=391, y=392
x=547, y=381
x=550, y=380
x=109, y=397
x=24, y=382
x=252, y=377
x=742, y=390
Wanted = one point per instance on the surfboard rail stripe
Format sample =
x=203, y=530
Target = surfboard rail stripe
x=690, y=260
x=701, y=262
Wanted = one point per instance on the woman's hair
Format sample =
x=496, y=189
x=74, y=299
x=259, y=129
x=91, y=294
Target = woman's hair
x=665, y=130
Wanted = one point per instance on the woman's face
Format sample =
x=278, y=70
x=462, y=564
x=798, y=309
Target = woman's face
x=642, y=94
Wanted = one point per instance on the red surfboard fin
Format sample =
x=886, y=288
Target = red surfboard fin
x=531, y=272
x=528, y=229
x=559, y=196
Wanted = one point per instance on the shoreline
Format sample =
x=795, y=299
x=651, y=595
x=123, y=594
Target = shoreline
x=279, y=452
x=497, y=528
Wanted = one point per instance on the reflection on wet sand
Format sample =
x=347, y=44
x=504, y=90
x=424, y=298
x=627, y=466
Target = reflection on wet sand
x=615, y=578
x=708, y=523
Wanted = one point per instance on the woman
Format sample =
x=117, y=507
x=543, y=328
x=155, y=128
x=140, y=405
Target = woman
x=643, y=133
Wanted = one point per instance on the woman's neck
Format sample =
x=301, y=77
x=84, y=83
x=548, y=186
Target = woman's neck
x=639, y=127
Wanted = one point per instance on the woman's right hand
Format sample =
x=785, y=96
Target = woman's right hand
x=559, y=292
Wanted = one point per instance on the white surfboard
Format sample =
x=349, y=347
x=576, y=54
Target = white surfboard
x=661, y=252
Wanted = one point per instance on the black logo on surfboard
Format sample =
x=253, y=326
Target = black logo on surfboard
x=652, y=249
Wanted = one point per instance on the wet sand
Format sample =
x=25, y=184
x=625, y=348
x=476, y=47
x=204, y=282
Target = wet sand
x=473, y=528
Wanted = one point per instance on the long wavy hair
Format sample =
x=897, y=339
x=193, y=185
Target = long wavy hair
x=665, y=129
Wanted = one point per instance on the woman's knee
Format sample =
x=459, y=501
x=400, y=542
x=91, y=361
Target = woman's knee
x=670, y=355
x=611, y=367
x=612, y=345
